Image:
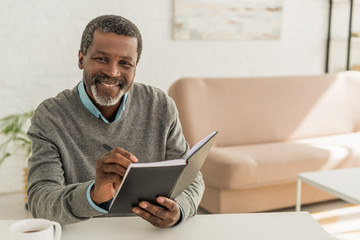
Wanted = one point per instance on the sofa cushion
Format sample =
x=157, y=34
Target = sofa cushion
x=256, y=165
x=274, y=109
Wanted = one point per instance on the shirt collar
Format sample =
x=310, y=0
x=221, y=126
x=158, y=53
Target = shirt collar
x=89, y=105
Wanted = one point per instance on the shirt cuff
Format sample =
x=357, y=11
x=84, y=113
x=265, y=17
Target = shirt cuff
x=96, y=207
x=182, y=214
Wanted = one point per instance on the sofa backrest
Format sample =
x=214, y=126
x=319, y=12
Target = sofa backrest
x=268, y=109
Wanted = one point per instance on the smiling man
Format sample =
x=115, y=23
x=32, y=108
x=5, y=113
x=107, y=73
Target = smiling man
x=109, y=69
x=71, y=177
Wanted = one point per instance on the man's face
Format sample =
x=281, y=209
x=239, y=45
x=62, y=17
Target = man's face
x=109, y=67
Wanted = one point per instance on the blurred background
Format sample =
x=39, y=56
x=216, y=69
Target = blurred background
x=40, y=39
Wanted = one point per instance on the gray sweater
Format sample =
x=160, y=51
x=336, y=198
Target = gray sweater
x=67, y=140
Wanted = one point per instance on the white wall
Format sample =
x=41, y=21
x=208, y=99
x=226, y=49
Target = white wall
x=39, y=42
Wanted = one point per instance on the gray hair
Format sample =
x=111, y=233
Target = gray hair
x=110, y=24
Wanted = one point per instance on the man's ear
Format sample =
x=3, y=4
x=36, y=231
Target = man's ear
x=81, y=59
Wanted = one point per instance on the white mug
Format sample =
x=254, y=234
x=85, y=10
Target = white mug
x=35, y=229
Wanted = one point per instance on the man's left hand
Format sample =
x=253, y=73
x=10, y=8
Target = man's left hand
x=162, y=216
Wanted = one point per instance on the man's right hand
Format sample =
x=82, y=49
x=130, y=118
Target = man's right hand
x=110, y=170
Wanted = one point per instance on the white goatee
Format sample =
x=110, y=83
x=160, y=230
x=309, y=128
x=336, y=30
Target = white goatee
x=105, y=101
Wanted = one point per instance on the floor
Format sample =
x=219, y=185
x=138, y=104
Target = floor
x=12, y=207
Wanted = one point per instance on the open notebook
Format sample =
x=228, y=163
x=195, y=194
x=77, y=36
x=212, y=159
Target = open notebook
x=147, y=181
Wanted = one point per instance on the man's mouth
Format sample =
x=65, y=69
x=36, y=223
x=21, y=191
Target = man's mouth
x=109, y=82
x=108, y=91
x=108, y=85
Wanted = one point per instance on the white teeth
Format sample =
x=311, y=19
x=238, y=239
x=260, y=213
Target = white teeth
x=108, y=85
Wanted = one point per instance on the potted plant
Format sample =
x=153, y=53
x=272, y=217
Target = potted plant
x=14, y=139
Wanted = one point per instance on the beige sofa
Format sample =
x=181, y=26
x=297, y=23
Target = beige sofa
x=270, y=129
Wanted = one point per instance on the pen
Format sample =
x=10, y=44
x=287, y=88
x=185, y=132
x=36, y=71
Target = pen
x=107, y=147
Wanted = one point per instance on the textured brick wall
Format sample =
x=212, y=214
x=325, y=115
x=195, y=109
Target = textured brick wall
x=39, y=42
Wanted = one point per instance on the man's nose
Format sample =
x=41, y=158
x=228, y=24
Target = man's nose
x=112, y=70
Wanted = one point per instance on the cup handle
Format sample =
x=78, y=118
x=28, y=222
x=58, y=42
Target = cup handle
x=57, y=230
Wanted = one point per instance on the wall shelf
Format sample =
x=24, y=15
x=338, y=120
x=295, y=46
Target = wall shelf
x=350, y=40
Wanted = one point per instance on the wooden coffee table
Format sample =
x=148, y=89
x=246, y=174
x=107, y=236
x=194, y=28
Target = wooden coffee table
x=343, y=183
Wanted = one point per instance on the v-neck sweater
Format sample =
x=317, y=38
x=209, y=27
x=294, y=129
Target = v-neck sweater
x=67, y=140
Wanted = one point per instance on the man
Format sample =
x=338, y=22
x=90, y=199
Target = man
x=71, y=176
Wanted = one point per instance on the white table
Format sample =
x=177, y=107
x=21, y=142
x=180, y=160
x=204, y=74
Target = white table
x=279, y=226
x=343, y=183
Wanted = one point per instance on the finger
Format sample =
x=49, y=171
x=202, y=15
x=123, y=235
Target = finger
x=154, y=220
x=113, y=157
x=168, y=203
x=113, y=168
x=154, y=210
x=125, y=154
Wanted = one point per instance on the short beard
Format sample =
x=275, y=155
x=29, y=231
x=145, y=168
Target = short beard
x=106, y=101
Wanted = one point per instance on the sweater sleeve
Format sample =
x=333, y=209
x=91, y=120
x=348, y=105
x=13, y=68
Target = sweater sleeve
x=48, y=194
x=190, y=198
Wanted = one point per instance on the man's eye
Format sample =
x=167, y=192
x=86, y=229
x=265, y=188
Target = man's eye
x=125, y=64
x=100, y=59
